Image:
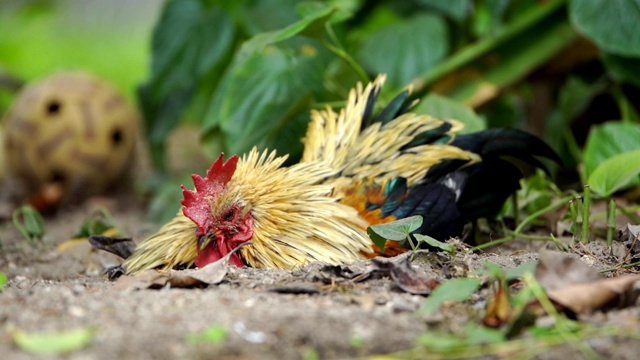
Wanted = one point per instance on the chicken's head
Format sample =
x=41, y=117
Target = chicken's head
x=223, y=221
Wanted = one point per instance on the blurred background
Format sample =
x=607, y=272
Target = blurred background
x=207, y=76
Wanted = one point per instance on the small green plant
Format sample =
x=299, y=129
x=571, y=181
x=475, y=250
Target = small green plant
x=214, y=334
x=459, y=289
x=401, y=231
x=55, y=343
x=30, y=223
x=3, y=280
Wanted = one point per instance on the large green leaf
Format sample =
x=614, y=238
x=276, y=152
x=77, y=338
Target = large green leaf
x=482, y=70
x=314, y=17
x=611, y=24
x=190, y=41
x=456, y=9
x=269, y=84
x=615, y=173
x=406, y=48
x=608, y=140
x=622, y=68
x=262, y=93
x=444, y=108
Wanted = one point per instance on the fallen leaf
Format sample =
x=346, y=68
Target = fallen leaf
x=597, y=295
x=558, y=270
x=629, y=237
x=53, y=343
x=498, y=308
x=122, y=247
x=353, y=272
x=295, y=289
x=212, y=274
x=404, y=276
x=573, y=285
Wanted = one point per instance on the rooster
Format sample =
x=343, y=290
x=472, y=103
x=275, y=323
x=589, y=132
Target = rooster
x=356, y=170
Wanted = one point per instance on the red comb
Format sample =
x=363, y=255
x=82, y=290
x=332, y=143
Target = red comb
x=196, y=204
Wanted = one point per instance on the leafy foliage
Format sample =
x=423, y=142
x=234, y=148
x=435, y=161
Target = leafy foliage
x=254, y=83
x=615, y=172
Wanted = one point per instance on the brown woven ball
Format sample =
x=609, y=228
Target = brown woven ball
x=70, y=128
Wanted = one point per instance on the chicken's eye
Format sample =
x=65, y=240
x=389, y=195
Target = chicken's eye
x=229, y=215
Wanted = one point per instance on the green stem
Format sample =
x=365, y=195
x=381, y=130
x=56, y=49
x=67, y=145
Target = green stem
x=585, y=213
x=577, y=226
x=628, y=212
x=472, y=52
x=536, y=214
x=611, y=223
x=516, y=209
x=341, y=53
x=518, y=231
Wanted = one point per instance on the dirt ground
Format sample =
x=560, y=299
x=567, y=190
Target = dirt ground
x=266, y=314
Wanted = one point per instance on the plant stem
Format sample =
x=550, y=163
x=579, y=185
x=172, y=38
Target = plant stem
x=514, y=204
x=585, y=213
x=335, y=47
x=611, y=221
x=533, y=216
x=577, y=226
x=472, y=52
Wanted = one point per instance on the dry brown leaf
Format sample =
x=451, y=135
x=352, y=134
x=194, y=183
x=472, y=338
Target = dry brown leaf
x=630, y=237
x=597, y=295
x=404, y=276
x=498, y=309
x=558, y=270
x=122, y=247
x=212, y=274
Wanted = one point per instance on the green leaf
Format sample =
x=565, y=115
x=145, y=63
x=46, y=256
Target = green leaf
x=607, y=140
x=215, y=334
x=190, y=41
x=520, y=270
x=455, y=9
x=398, y=230
x=487, y=16
x=611, y=24
x=458, y=289
x=53, y=343
x=376, y=239
x=622, y=69
x=310, y=25
x=3, y=280
x=480, y=71
x=406, y=48
x=478, y=335
x=261, y=96
x=268, y=86
x=445, y=108
x=29, y=222
x=96, y=224
x=615, y=173
x=441, y=342
x=435, y=243
x=493, y=270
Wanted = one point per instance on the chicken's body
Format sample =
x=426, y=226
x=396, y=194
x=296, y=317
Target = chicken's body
x=355, y=171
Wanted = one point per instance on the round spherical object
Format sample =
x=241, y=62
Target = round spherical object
x=72, y=129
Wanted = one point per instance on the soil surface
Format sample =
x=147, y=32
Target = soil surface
x=265, y=314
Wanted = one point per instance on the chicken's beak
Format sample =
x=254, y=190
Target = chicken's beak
x=205, y=239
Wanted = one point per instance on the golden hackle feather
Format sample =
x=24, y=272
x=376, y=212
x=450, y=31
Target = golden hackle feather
x=173, y=245
x=296, y=220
